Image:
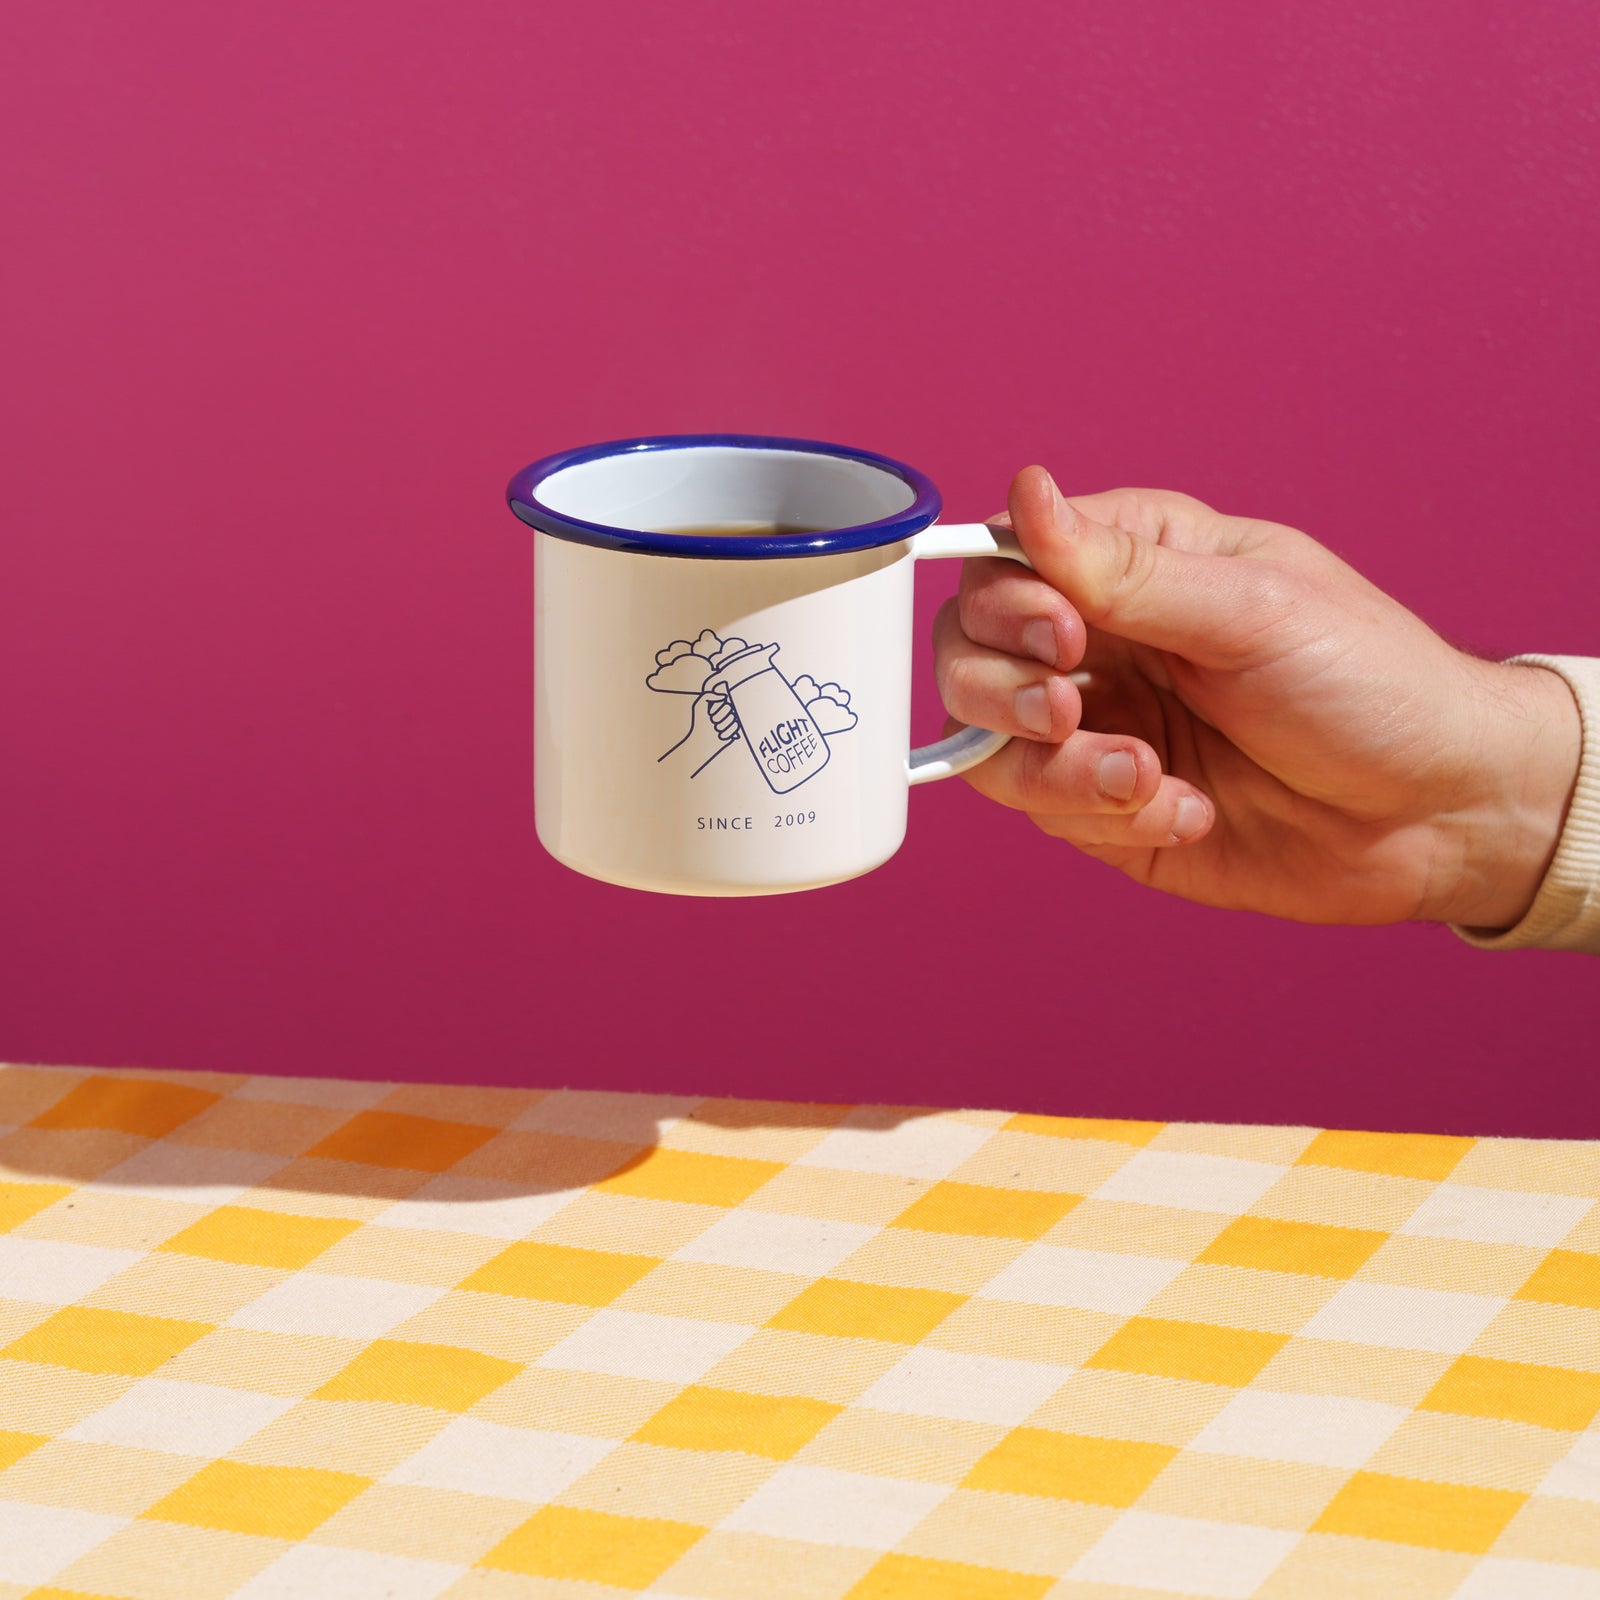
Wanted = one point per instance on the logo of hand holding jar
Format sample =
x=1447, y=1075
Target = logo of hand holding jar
x=741, y=696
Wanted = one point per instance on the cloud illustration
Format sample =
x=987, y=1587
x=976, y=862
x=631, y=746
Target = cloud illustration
x=680, y=674
x=828, y=703
x=830, y=715
x=726, y=648
x=708, y=645
x=685, y=664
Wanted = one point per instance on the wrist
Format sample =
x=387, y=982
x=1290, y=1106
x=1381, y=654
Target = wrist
x=1515, y=793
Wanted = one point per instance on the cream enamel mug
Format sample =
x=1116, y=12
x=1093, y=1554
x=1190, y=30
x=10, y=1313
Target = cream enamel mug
x=729, y=713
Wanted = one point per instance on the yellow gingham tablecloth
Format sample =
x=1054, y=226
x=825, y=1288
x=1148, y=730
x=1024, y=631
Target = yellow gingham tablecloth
x=268, y=1338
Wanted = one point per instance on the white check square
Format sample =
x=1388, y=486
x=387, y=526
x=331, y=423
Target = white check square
x=328, y=1303
x=36, y=1542
x=606, y=1114
x=637, y=1344
x=336, y=1574
x=185, y=1419
x=1147, y=1551
x=1441, y=1320
x=922, y=1147
x=1190, y=1181
x=836, y=1508
x=192, y=1173
x=809, y=1246
x=1326, y=1430
x=488, y=1206
x=1497, y=1216
x=971, y=1388
x=507, y=1463
x=52, y=1273
x=1576, y=1476
x=339, y=1093
x=1496, y=1578
x=1088, y=1280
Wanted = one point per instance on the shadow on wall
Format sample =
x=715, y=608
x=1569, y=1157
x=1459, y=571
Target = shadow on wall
x=482, y=1153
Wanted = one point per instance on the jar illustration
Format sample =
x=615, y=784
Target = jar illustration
x=778, y=730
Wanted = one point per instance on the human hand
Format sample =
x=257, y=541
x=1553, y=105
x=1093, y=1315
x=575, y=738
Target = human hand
x=1260, y=728
x=713, y=726
x=724, y=719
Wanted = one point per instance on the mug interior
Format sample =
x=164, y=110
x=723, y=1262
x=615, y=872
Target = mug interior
x=657, y=490
x=632, y=494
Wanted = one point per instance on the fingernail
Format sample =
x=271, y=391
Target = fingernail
x=1039, y=640
x=1062, y=509
x=1117, y=775
x=1033, y=708
x=1189, y=818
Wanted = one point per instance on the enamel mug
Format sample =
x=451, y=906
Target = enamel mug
x=729, y=713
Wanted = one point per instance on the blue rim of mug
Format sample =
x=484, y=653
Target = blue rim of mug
x=523, y=497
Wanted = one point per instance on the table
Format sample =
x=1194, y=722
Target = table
x=264, y=1338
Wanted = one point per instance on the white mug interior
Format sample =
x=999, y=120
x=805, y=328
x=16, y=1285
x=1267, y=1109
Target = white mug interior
x=707, y=485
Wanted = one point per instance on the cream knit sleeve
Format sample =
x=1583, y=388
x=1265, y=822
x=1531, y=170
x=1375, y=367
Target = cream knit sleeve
x=1565, y=915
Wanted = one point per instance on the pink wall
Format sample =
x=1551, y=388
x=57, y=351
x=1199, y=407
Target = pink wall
x=292, y=289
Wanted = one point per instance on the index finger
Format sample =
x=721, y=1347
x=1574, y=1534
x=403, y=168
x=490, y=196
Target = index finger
x=1011, y=609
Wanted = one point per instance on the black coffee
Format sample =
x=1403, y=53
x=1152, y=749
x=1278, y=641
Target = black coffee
x=742, y=530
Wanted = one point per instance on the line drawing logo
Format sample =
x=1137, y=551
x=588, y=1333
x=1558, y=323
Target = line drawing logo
x=741, y=696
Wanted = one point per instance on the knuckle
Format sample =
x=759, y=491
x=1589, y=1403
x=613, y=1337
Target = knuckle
x=1125, y=566
x=1032, y=778
x=1066, y=709
x=1131, y=568
x=978, y=577
x=953, y=674
x=1173, y=503
x=1277, y=590
x=1270, y=598
x=986, y=608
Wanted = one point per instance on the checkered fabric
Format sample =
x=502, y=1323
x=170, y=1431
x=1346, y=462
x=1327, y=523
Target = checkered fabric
x=269, y=1338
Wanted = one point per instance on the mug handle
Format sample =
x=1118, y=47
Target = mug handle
x=967, y=748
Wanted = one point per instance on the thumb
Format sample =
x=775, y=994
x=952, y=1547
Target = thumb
x=1208, y=608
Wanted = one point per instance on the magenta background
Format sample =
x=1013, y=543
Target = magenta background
x=290, y=290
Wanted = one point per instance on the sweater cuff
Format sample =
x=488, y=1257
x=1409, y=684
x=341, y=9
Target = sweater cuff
x=1565, y=914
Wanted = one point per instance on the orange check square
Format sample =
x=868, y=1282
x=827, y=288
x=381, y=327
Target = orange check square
x=1438, y=1516
x=90, y=1339
x=14, y=1446
x=1166, y=1348
x=444, y=1376
x=397, y=1139
x=1402, y=1155
x=19, y=1201
x=1518, y=1391
x=978, y=1208
x=1272, y=1245
x=686, y=1175
x=564, y=1542
x=277, y=1502
x=249, y=1237
x=144, y=1106
x=1565, y=1278
x=1070, y=1466
x=559, y=1272
x=897, y=1577
x=849, y=1310
x=728, y=1419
